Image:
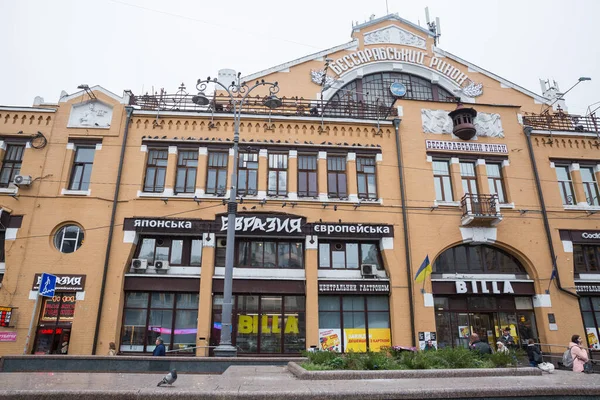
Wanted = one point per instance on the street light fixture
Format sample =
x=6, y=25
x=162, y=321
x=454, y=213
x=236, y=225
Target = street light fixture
x=225, y=348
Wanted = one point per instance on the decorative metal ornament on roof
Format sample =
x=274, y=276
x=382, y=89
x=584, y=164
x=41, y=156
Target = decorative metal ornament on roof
x=317, y=77
x=473, y=89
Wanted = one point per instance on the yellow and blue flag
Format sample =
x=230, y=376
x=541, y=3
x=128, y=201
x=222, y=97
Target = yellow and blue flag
x=424, y=270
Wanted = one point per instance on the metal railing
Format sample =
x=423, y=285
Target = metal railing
x=561, y=121
x=480, y=205
x=294, y=106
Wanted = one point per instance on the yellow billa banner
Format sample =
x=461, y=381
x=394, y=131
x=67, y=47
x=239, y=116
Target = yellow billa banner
x=269, y=324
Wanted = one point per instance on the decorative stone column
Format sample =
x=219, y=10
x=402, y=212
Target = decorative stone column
x=481, y=176
x=205, y=298
x=322, y=175
x=379, y=175
x=351, y=178
x=311, y=269
x=292, y=175
x=201, y=171
x=455, y=179
x=506, y=175
x=171, y=172
x=263, y=174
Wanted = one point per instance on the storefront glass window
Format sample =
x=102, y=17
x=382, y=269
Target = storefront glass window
x=54, y=329
x=349, y=255
x=591, y=320
x=176, y=251
x=173, y=316
x=354, y=323
x=265, y=324
x=477, y=259
x=147, y=250
x=196, y=253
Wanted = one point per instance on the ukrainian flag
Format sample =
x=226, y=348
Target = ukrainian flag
x=424, y=270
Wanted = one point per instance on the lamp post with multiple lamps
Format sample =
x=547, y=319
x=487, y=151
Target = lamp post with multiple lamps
x=225, y=347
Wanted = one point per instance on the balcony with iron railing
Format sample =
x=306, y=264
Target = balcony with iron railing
x=290, y=107
x=561, y=121
x=480, y=210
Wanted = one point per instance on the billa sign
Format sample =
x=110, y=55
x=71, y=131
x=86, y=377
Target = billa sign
x=65, y=283
x=483, y=287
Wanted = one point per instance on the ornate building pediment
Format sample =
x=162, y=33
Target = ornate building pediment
x=438, y=121
x=395, y=35
x=90, y=114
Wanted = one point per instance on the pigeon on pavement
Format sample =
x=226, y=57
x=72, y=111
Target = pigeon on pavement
x=170, y=378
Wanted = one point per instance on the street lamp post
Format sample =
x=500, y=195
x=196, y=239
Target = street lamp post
x=225, y=348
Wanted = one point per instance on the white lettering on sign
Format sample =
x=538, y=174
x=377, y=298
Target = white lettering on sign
x=351, y=287
x=358, y=228
x=483, y=287
x=466, y=147
x=162, y=223
x=365, y=56
x=586, y=235
x=587, y=288
x=63, y=282
x=267, y=225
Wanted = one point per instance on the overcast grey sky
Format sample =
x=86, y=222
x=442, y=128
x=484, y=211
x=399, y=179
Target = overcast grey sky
x=49, y=46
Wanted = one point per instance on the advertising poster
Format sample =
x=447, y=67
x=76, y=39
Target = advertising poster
x=8, y=336
x=378, y=338
x=355, y=340
x=330, y=339
x=592, y=338
x=424, y=337
x=464, y=331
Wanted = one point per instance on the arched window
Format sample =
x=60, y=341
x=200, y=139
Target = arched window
x=477, y=259
x=377, y=86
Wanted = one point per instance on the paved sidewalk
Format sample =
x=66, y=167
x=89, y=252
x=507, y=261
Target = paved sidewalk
x=271, y=382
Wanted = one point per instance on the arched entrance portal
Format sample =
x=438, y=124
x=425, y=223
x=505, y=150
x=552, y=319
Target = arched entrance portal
x=481, y=289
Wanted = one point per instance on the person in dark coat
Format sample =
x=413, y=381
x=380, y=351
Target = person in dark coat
x=533, y=353
x=479, y=346
x=507, y=338
x=159, y=350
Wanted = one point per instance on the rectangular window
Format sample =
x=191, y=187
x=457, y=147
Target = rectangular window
x=307, y=176
x=494, y=174
x=565, y=184
x=441, y=180
x=342, y=255
x=585, y=259
x=184, y=251
x=345, y=320
x=156, y=171
x=468, y=178
x=11, y=165
x=278, y=164
x=264, y=324
x=336, y=176
x=216, y=177
x=365, y=174
x=82, y=168
x=590, y=186
x=247, y=174
x=269, y=254
x=187, y=164
x=148, y=315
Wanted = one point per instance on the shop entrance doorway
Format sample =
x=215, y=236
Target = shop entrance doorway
x=53, y=333
x=484, y=325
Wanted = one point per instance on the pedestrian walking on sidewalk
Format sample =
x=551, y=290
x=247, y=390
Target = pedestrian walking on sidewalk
x=159, y=350
x=579, y=354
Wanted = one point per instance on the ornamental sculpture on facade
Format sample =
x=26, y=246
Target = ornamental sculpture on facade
x=317, y=77
x=394, y=35
x=473, y=89
x=438, y=122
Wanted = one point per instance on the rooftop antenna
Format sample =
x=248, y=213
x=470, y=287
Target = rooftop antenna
x=434, y=27
x=387, y=10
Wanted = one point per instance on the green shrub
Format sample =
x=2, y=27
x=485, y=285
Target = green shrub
x=320, y=357
x=337, y=363
x=502, y=360
x=316, y=367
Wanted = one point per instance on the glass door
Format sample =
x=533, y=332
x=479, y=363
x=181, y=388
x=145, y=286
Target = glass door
x=483, y=325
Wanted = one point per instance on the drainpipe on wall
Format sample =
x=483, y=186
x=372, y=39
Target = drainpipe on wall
x=405, y=227
x=538, y=186
x=129, y=111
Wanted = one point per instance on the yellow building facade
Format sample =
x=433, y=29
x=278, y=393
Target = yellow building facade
x=344, y=191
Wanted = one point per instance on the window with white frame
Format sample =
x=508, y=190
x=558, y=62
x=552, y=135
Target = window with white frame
x=590, y=185
x=468, y=177
x=82, y=167
x=247, y=174
x=69, y=238
x=278, y=164
x=348, y=255
x=442, y=181
x=11, y=165
x=365, y=175
x=495, y=182
x=185, y=251
x=565, y=184
x=187, y=164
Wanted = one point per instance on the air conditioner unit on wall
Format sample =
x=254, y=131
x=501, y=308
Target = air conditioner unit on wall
x=22, y=180
x=161, y=265
x=139, y=264
x=367, y=270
